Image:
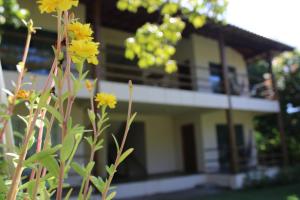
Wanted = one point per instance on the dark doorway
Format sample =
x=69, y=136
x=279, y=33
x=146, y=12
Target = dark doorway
x=185, y=77
x=134, y=167
x=224, y=146
x=189, y=148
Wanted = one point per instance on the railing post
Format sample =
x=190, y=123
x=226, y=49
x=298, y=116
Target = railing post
x=229, y=114
x=282, y=132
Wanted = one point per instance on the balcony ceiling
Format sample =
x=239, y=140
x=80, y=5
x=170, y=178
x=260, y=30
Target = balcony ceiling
x=247, y=43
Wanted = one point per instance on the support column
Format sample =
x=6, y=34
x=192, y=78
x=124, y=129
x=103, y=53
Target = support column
x=95, y=10
x=229, y=113
x=282, y=132
x=94, y=16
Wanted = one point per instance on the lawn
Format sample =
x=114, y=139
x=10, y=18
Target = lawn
x=271, y=193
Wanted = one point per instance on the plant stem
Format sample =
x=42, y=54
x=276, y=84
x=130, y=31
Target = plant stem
x=86, y=187
x=117, y=161
x=19, y=168
x=18, y=85
x=71, y=99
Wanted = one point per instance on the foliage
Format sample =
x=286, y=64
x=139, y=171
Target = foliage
x=49, y=166
x=286, y=70
x=154, y=43
x=11, y=13
x=294, y=197
x=51, y=163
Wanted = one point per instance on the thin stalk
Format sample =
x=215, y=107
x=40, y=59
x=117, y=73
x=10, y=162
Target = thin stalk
x=70, y=102
x=11, y=106
x=86, y=187
x=117, y=161
x=19, y=168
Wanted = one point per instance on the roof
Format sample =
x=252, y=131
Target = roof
x=247, y=43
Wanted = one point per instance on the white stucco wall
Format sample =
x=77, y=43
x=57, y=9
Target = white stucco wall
x=180, y=121
x=207, y=51
x=47, y=21
x=161, y=151
x=209, y=133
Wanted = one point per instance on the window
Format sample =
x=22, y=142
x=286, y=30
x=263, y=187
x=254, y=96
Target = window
x=224, y=146
x=217, y=80
x=120, y=69
x=40, y=53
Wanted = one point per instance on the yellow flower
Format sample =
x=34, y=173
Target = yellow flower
x=89, y=86
x=80, y=31
x=105, y=99
x=64, y=5
x=82, y=50
x=49, y=6
x=23, y=94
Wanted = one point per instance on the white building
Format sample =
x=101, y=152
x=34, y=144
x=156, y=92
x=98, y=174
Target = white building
x=180, y=136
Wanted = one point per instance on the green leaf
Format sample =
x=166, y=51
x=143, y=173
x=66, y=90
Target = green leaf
x=89, y=167
x=125, y=155
x=170, y=9
x=3, y=187
x=89, y=193
x=51, y=164
x=98, y=183
x=99, y=144
x=55, y=113
x=31, y=140
x=111, y=195
x=89, y=140
x=67, y=147
x=122, y=5
x=79, y=169
x=68, y=194
x=110, y=169
x=199, y=21
x=23, y=119
x=105, y=127
x=91, y=115
x=42, y=154
x=43, y=99
x=132, y=118
x=116, y=142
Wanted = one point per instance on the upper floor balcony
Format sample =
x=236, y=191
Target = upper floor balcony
x=195, y=86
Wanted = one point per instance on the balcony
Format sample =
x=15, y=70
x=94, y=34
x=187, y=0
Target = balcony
x=195, y=86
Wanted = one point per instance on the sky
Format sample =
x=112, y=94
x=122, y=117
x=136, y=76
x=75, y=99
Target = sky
x=275, y=19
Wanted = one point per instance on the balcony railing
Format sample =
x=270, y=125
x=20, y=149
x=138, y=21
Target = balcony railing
x=193, y=78
x=218, y=159
x=190, y=78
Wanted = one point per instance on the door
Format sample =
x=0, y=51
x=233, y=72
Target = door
x=134, y=167
x=224, y=146
x=185, y=77
x=189, y=148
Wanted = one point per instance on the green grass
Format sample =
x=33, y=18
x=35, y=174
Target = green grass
x=270, y=193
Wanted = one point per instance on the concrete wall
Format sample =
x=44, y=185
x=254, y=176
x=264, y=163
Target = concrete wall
x=209, y=133
x=207, y=51
x=47, y=21
x=161, y=148
x=180, y=121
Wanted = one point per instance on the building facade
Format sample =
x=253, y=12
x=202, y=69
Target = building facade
x=191, y=129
